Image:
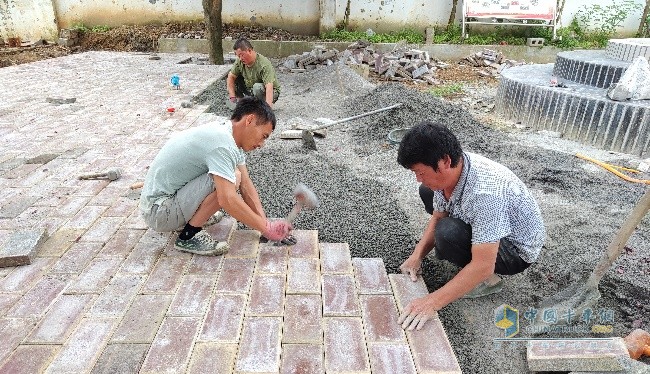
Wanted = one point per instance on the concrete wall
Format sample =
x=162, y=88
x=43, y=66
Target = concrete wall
x=30, y=20
x=629, y=26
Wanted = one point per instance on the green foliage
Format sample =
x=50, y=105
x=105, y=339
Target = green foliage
x=605, y=19
x=100, y=28
x=79, y=26
x=447, y=90
x=411, y=36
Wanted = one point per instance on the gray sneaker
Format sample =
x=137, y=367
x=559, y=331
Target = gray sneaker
x=214, y=219
x=483, y=289
x=202, y=244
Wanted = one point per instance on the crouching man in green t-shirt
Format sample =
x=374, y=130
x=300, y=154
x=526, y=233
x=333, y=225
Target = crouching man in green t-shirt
x=198, y=172
x=251, y=75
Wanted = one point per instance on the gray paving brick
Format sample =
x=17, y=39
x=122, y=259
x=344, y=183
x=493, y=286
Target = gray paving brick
x=21, y=248
x=121, y=358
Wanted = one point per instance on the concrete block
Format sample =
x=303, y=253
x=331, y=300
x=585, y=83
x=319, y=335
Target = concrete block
x=69, y=34
x=66, y=42
x=291, y=134
x=576, y=355
x=535, y=42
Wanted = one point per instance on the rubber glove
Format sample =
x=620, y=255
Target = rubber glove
x=277, y=230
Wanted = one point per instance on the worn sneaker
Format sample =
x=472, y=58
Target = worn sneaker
x=483, y=289
x=202, y=244
x=214, y=219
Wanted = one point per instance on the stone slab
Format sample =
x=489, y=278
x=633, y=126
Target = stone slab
x=22, y=247
x=576, y=355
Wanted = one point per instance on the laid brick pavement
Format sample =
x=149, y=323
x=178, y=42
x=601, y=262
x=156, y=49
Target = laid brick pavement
x=104, y=294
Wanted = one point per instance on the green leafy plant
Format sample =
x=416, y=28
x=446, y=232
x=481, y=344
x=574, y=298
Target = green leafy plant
x=605, y=19
x=79, y=26
x=100, y=28
x=411, y=36
x=447, y=90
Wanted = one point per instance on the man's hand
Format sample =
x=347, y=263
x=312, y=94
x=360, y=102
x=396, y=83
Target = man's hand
x=412, y=266
x=417, y=313
x=277, y=230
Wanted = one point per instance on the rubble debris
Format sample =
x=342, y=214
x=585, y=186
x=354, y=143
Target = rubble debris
x=490, y=62
x=401, y=64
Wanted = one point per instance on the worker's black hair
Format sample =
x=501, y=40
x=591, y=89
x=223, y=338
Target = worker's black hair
x=243, y=44
x=427, y=143
x=253, y=105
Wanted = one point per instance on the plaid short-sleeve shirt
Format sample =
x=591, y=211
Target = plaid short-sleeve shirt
x=496, y=204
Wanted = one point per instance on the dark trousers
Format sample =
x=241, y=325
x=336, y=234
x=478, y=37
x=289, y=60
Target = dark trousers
x=454, y=242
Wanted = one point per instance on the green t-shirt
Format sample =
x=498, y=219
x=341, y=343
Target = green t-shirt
x=260, y=72
x=208, y=148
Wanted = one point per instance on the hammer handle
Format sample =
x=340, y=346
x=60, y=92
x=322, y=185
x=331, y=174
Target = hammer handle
x=294, y=211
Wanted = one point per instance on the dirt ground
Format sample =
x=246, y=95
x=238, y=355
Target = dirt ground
x=369, y=201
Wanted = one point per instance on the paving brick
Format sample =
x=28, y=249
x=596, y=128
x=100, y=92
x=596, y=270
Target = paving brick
x=171, y=349
x=13, y=332
x=576, y=355
x=272, y=259
x=166, y=275
x=103, y=229
x=212, y=358
x=76, y=258
x=335, y=258
x=267, y=295
x=135, y=221
x=39, y=298
x=142, y=319
x=306, y=246
x=117, y=295
x=15, y=206
x=302, y=359
x=121, y=243
x=60, y=320
x=23, y=278
x=405, y=290
x=57, y=244
x=391, y=358
x=205, y=265
x=370, y=275
x=345, y=347
x=7, y=300
x=96, y=276
x=224, y=318
x=340, y=296
x=303, y=318
x=72, y=205
x=222, y=230
x=122, y=207
x=22, y=246
x=192, y=297
x=432, y=338
x=303, y=276
x=244, y=243
x=259, y=348
x=236, y=275
x=85, y=217
x=142, y=258
x=121, y=358
x=29, y=359
x=380, y=319
x=83, y=347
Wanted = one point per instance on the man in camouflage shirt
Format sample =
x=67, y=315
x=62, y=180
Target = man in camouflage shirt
x=483, y=219
x=251, y=75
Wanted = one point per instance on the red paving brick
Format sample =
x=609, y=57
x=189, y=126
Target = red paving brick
x=117, y=295
x=259, y=348
x=380, y=319
x=266, y=295
x=405, y=290
x=272, y=259
x=121, y=358
x=122, y=243
x=303, y=319
x=391, y=358
x=303, y=276
x=103, y=229
x=205, y=265
x=38, y=299
x=340, y=296
x=432, y=338
x=85, y=218
x=335, y=258
x=171, y=349
x=13, y=332
x=142, y=319
x=24, y=277
x=192, y=297
x=306, y=245
x=6, y=301
x=77, y=257
x=302, y=359
x=166, y=275
x=59, y=242
x=370, y=275
x=60, y=320
x=96, y=276
x=224, y=319
x=142, y=257
x=83, y=347
x=236, y=274
x=212, y=358
x=244, y=243
x=222, y=230
x=345, y=348
x=29, y=359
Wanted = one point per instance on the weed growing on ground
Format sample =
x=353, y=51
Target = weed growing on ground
x=447, y=90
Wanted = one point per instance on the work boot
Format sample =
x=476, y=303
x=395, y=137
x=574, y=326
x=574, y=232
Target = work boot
x=202, y=244
x=214, y=219
x=484, y=289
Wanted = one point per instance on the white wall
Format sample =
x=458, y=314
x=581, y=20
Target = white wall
x=30, y=20
x=629, y=27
